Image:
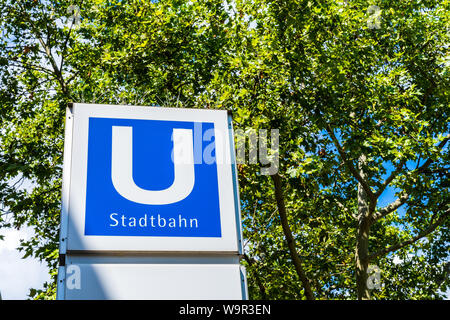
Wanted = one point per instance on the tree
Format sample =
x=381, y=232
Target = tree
x=373, y=96
x=355, y=94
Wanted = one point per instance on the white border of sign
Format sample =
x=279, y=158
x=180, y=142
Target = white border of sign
x=75, y=178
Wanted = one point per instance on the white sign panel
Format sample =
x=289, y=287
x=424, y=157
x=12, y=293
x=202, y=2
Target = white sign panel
x=149, y=179
x=154, y=282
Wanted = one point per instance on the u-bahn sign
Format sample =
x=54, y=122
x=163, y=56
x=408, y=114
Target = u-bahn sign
x=149, y=179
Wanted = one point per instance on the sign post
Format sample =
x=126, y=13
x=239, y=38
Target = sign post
x=150, y=205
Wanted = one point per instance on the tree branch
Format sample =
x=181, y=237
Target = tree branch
x=422, y=234
x=390, y=178
x=64, y=47
x=47, y=51
x=57, y=71
x=259, y=283
x=350, y=165
x=30, y=66
x=289, y=238
x=404, y=196
x=344, y=208
x=391, y=207
x=429, y=161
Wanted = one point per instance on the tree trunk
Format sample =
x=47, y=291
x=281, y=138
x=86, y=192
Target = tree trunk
x=362, y=237
x=362, y=259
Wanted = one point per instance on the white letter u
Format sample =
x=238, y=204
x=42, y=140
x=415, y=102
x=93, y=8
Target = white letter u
x=122, y=168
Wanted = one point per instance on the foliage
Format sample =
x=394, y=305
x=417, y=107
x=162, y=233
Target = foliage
x=335, y=86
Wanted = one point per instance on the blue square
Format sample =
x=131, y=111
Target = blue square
x=110, y=213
